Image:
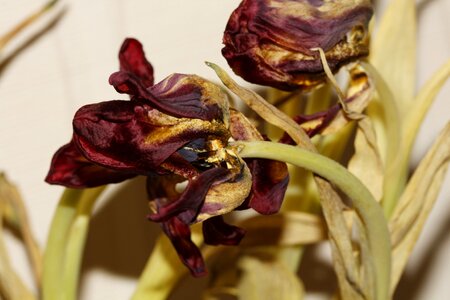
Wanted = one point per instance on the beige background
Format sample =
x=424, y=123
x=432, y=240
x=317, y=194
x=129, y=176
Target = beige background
x=69, y=65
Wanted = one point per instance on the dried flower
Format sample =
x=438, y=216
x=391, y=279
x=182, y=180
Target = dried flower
x=171, y=132
x=271, y=42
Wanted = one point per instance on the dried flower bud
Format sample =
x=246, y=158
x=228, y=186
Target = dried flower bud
x=271, y=42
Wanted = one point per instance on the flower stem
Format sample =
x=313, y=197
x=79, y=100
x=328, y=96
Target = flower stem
x=62, y=257
x=365, y=205
x=164, y=269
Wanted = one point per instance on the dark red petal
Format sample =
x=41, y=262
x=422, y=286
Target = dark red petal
x=271, y=44
x=69, y=168
x=126, y=83
x=178, y=95
x=269, y=178
x=319, y=121
x=270, y=181
x=130, y=135
x=217, y=232
x=189, y=203
x=132, y=60
x=189, y=96
x=179, y=234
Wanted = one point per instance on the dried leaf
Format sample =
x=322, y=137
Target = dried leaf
x=13, y=212
x=366, y=163
x=410, y=126
x=345, y=264
x=383, y=113
x=416, y=203
x=358, y=96
x=25, y=23
x=11, y=286
x=423, y=101
x=393, y=51
x=284, y=229
x=267, y=280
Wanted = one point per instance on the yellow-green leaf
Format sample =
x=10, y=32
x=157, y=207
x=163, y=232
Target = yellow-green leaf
x=416, y=203
x=393, y=50
x=366, y=163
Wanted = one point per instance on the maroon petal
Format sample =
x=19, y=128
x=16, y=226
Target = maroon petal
x=270, y=181
x=132, y=60
x=217, y=232
x=189, y=203
x=179, y=234
x=270, y=42
x=179, y=95
x=314, y=123
x=132, y=136
x=191, y=96
x=71, y=169
x=269, y=178
x=126, y=83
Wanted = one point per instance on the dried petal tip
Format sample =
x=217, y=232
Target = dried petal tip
x=269, y=42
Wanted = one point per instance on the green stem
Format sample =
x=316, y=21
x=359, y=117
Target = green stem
x=62, y=257
x=164, y=269
x=364, y=204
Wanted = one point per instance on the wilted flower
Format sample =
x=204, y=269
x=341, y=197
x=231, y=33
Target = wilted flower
x=272, y=42
x=171, y=132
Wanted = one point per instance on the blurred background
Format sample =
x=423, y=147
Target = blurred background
x=64, y=62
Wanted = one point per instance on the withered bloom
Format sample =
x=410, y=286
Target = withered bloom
x=271, y=42
x=173, y=132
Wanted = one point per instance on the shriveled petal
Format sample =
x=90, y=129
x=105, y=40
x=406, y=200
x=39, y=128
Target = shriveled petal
x=190, y=201
x=270, y=181
x=213, y=192
x=269, y=41
x=217, y=232
x=270, y=178
x=191, y=96
x=132, y=60
x=71, y=169
x=132, y=136
x=225, y=197
x=179, y=234
x=179, y=95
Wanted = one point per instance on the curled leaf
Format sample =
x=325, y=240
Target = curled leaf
x=416, y=203
x=366, y=163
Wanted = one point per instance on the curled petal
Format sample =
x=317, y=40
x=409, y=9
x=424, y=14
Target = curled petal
x=230, y=194
x=217, y=232
x=126, y=83
x=132, y=136
x=179, y=95
x=270, y=42
x=132, y=60
x=189, y=203
x=71, y=169
x=269, y=178
x=210, y=193
x=270, y=181
x=179, y=234
x=192, y=97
